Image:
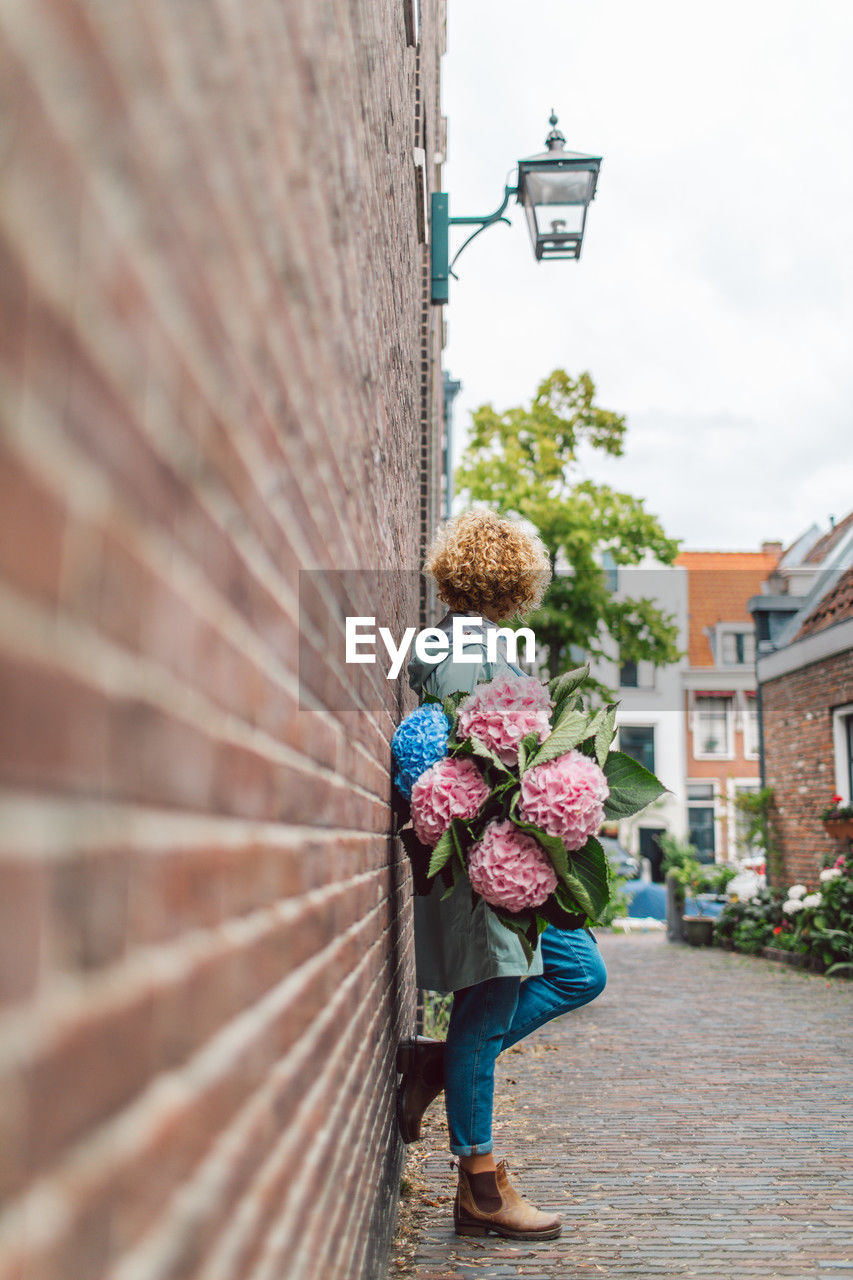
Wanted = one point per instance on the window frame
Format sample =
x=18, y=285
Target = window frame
x=650, y=728
x=842, y=749
x=750, y=705
x=707, y=804
x=734, y=629
x=729, y=749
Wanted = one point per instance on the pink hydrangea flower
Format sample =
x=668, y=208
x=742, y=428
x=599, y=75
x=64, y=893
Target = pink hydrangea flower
x=510, y=869
x=565, y=797
x=451, y=788
x=503, y=711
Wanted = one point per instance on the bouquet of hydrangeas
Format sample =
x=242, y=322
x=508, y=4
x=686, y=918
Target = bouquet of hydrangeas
x=506, y=787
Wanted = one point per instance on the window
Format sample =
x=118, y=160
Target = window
x=750, y=728
x=741, y=847
x=712, y=722
x=842, y=736
x=700, y=819
x=638, y=742
x=737, y=648
x=637, y=675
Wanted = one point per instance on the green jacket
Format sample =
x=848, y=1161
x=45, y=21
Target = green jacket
x=455, y=946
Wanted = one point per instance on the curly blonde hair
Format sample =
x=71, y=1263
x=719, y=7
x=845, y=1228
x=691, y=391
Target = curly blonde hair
x=487, y=564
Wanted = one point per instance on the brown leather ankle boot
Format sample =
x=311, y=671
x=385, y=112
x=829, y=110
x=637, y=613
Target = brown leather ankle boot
x=489, y=1202
x=421, y=1062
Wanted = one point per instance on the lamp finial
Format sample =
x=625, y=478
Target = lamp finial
x=555, y=140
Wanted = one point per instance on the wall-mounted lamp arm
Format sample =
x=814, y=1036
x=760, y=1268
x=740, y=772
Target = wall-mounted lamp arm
x=490, y=222
x=440, y=224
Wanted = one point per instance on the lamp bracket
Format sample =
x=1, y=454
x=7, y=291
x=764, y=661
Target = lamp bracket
x=442, y=267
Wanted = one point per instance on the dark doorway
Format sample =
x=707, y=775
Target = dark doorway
x=650, y=848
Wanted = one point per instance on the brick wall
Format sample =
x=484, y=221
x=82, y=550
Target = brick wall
x=211, y=375
x=799, y=762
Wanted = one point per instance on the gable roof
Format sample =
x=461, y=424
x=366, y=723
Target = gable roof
x=835, y=606
x=830, y=540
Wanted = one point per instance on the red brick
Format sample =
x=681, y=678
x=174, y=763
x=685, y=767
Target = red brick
x=218, y=375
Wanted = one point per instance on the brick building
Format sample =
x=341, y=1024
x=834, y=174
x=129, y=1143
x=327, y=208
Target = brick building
x=719, y=692
x=218, y=366
x=807, y=715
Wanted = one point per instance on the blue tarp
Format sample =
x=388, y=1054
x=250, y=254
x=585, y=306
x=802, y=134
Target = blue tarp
x=649, y=901
x=710, y=906
x=645, y=900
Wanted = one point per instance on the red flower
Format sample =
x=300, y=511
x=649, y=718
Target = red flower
x=837, y=799
x=778, y=929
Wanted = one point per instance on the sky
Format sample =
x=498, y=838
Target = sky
x=713, y=302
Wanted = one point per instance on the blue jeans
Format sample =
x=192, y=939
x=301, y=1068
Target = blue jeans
x=490, y=1016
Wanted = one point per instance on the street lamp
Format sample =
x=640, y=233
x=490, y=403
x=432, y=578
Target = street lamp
x=555, y=187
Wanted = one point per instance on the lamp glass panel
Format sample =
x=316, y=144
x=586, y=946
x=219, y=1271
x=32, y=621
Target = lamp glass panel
x=560, y=219
x=560, y=186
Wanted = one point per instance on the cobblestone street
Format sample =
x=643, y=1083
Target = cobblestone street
x=693, y=1121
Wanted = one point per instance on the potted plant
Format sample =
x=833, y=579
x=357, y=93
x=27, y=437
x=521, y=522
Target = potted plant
x=698, y=929
x=837, y=817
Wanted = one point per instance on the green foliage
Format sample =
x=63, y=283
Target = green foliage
x=758, y=808
x=675, y=853
x=632, y=787
x=748, y=925
x=524, y=462
x=437, y=1014
x=823, y=932
x=617, y=904
x=584, y=882
x=719, y=878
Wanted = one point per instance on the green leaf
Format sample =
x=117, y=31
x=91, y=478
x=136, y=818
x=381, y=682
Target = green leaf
x=552, y=845
x=590, y=866
x=461, y=837
x=577, y=888
x=567, y=734
x=604, y=734
x=526, y=748
x=556, y=914
x=485, y=753
x=442, y=852
x=457, y=870
x=562, y=686
x=632, y=787
x=448, y=706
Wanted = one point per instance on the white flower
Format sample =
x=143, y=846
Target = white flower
x=811, y=900
x=792, y=906
x=830, y=873
x=797, y=891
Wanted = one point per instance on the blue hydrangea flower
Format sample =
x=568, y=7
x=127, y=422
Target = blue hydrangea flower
x=419, y=741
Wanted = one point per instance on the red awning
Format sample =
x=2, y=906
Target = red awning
x=750, y=693
x=714, y=693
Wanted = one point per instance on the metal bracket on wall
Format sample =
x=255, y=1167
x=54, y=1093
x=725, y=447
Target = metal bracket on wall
x=441, y=266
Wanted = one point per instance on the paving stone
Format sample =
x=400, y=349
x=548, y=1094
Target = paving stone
x=693, y=1121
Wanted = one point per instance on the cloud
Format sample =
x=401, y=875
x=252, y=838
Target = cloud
x=714, y=300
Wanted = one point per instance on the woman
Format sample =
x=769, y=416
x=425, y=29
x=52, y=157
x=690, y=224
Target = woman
x=490, y=567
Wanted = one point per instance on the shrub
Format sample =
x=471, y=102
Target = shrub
x=825, y=928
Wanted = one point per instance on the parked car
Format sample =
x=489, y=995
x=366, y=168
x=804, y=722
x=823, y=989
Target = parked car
x=621, y=861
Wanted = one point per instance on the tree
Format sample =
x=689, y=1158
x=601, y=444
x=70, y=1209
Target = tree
x=524, y=462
